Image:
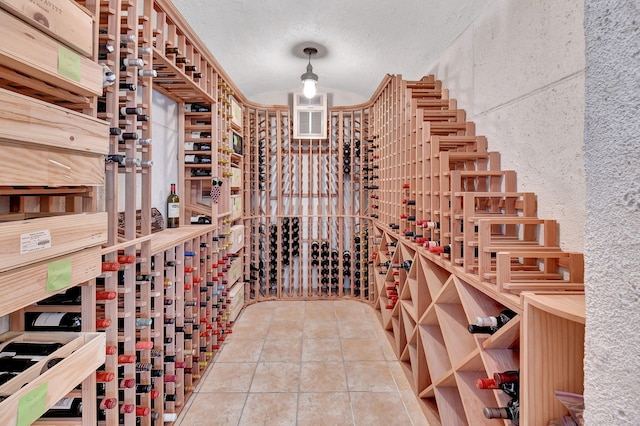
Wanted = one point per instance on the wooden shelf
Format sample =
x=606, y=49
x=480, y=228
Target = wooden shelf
x=553, y=336
x=83, y=353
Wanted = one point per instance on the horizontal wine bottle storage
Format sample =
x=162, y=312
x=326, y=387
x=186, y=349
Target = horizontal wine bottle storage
x=81, y=354
x=64, y=21
x=37, y=55
x=474, y=243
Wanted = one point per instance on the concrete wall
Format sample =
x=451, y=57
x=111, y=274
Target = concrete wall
x=518, y=71
x=612, y=234
x=573, y=137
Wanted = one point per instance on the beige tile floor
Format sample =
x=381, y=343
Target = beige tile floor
x=305, y=363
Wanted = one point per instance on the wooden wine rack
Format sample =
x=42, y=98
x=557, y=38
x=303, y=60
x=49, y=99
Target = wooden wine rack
x=186, y=298
x=289, y=180
x=434, y=168
x=406, y=157
x=52, y=174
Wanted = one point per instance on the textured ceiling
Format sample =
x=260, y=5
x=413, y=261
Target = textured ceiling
x=259, y=42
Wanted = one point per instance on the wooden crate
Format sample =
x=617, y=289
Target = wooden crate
x=34, y=240
x=30, y=121
x=83, y=353
x=24, y=165
x=28, y=284
x=38, y=55
x=63, y=20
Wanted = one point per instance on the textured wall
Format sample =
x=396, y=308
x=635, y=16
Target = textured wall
x=518, y=71
x=165, y=154
x=612, y=162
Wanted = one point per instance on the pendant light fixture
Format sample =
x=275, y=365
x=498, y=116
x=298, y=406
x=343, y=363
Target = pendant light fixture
x=309, y=79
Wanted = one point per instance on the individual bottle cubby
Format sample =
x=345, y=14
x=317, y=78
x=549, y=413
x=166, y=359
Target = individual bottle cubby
x=282, y=176
x=172, y=354
x=76, y=357
x=199, y=154
x=429, y=330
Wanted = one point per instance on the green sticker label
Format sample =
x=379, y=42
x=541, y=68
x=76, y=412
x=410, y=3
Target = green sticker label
x=32, y=405
x=58, y=275
x=69, y=64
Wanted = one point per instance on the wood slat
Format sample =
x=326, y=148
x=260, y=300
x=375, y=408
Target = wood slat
x=31, y=241
x=27, y=120
x=81, y=357
x=26, y=285
x=36, y=54
x=33, y=165
x=63, y=20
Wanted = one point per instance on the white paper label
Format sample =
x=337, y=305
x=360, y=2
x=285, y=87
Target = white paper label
x=173, y=210
x=49, y=319
x=63, y=404
x=189, y=146
x=35, y=241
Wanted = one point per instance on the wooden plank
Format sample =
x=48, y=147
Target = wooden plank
x=552, y=355
x=81, y=358
x=27, y=120
x=33, y=165
x=31, y=85
x=30, y=241
x=26, y=285
x=38, y=55
x=63, y=20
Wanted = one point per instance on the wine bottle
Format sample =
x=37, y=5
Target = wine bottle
x=5, y=377
x=139, y=322
x=66, y=407
x=23, y=348
x=173, y=208
x=497, y=321
x=69, y=296
x=16, y=365
x=108, y=76
x=130, y=62
x=406, y=265
x=195, y=159
x=53, y=321
x=510, y=412
x=147, y=73
x=130, y=111
x=440, y=249
x=507, y=382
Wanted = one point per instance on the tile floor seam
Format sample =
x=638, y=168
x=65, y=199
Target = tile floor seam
x=247, y=393
x=358, y=317
x=344, y=367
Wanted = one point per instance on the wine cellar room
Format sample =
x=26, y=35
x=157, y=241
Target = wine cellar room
x=279, y=212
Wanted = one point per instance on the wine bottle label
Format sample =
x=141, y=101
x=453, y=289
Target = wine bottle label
x=190, y=158
x=49, y=319
x=35, y=241
x=189, y=146
x=35, y=358
x=63, y=404
x=487, y=321
x=173, y=210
